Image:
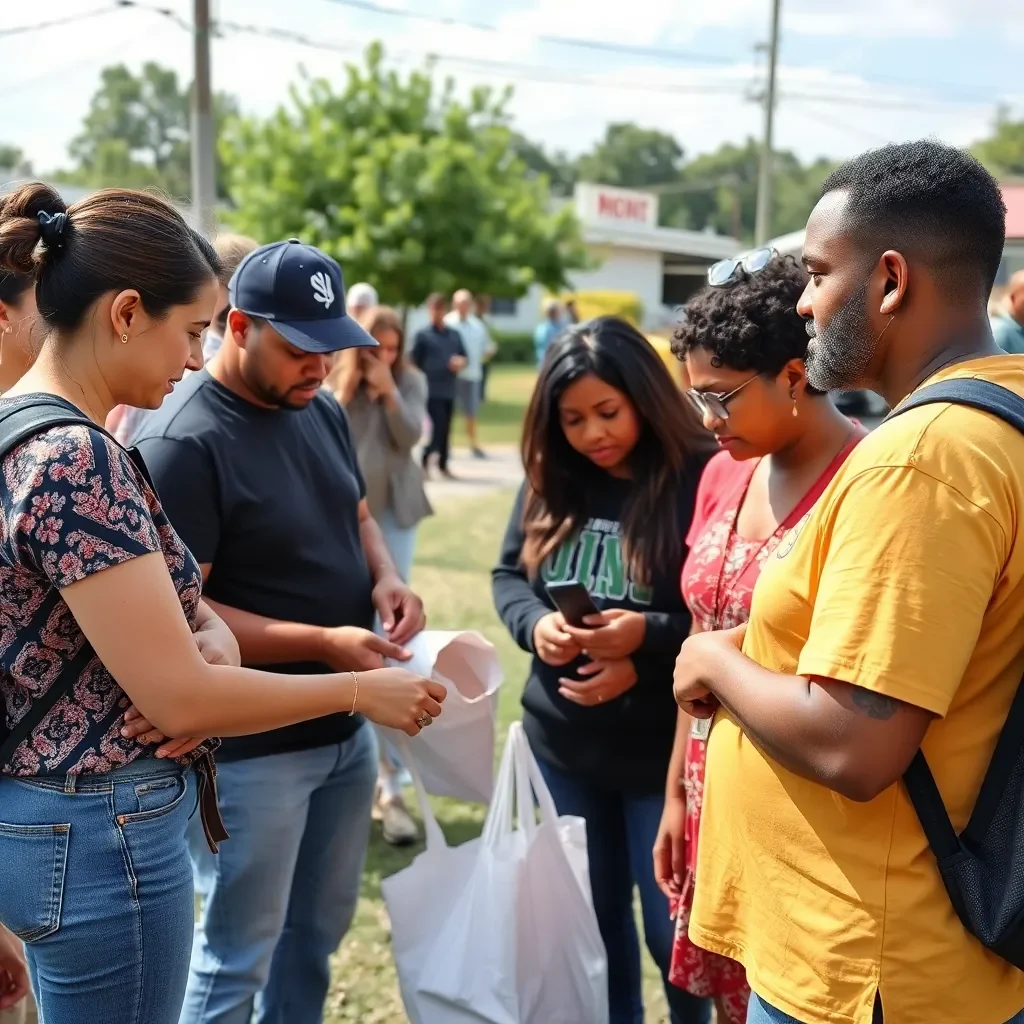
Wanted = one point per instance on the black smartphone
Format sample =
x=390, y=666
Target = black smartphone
x=573, y=601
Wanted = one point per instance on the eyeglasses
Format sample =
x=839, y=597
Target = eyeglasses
x=713, y=404
x=727, y=271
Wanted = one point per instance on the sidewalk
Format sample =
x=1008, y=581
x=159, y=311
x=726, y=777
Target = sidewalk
x=501, y=470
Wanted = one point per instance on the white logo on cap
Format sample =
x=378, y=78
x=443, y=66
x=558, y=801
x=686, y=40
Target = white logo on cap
x=322, y=290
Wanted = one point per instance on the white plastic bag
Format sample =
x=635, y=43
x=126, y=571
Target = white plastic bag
x=501, y=930
x=455, y=755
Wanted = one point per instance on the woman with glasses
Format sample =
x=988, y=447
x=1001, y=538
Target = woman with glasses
x=743, y=344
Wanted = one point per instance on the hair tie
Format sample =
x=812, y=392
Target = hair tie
x=52, y=228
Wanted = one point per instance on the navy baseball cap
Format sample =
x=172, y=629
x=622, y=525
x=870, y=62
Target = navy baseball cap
x=300, y=291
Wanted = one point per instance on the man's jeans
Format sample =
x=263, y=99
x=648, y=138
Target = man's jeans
x=759, y=1012
x=281, y=893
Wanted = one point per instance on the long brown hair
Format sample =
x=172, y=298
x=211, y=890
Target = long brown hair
x=562, y=484
x=377, y=317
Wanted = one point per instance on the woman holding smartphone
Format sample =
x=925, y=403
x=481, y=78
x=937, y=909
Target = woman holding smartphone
x=612, y=455
x=743, y=344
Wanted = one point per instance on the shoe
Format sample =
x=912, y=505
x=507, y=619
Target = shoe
x=479, y=453
x=397, y=826
x=448, y=474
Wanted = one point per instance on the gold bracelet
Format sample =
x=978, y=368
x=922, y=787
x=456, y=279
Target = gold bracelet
x=355, y=696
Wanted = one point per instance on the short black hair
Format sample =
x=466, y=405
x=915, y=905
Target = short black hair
x=751, y=324
x=934, y=201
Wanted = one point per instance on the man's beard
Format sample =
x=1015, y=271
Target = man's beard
x=840, y=353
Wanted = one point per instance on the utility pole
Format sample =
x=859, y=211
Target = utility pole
x=204, y=173
x=763, y=219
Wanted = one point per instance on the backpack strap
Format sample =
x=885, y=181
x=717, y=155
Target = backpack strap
x=17, y=425
x=924, y=793
x=972, y=392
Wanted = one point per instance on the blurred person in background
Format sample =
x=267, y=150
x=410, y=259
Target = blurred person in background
x=483, y=311
x=612, y=455
x=360, y=299
x=438, y=352
x=1008, y=329
x=743, y=345
x=386, y=401
x=547, y=330
x=479, y=347
x=125, y=422
x=571, y=315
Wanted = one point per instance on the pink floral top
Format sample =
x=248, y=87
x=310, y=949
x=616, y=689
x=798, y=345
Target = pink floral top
x=73, y=503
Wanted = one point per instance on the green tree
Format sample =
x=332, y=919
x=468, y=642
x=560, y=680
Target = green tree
x=559, y=170
x=136, y=133
x=406, y=186
x=13, y=163
x=1003, y=152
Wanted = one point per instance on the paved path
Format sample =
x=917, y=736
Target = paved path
x=501, y=470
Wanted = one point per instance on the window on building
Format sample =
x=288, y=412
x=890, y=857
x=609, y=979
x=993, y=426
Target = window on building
x=504, y=307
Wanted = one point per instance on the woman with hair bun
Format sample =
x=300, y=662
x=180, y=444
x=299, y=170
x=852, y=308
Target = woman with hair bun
x=101, y=607
x=743, y=346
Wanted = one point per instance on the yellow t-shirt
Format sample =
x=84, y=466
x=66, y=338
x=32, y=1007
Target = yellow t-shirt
x=905, y=579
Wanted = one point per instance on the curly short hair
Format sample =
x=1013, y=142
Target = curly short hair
x=751, y=324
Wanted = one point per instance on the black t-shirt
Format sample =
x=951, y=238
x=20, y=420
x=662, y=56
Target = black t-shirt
x=626, y=743
x=432, y=351
x=270, y=499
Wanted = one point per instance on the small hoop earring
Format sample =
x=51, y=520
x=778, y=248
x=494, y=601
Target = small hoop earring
x=124, y=339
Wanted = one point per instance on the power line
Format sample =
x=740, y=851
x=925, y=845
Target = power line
x=57, y=22
x=666, y=53
x=544, y=75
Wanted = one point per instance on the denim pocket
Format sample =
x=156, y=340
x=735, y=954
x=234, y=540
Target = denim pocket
x=156, y=797
x=39, y=853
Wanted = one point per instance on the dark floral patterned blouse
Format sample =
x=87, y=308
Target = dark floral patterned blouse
x=73, y=503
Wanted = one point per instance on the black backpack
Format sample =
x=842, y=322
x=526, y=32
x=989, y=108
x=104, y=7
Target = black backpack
x=983, y=867
x=18, y=424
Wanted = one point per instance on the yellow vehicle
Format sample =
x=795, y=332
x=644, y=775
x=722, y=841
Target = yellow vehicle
x=674, y=366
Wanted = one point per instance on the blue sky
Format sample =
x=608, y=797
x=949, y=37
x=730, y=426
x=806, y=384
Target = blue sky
x=854, y=73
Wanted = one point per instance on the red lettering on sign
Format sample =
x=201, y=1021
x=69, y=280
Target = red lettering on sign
x=621, y=208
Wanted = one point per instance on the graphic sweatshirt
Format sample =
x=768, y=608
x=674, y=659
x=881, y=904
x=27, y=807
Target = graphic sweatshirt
x=623, y=744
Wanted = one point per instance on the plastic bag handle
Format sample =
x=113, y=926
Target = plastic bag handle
x=498, y=823
x=435, y=839
x=525, y=757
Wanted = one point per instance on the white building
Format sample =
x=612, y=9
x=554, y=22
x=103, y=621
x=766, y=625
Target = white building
x=662, y=266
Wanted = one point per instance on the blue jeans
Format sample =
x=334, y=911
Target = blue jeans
x=400, y=542
x=760, y=1012
x=281, y=893
x=621, y=829
x=95, y=878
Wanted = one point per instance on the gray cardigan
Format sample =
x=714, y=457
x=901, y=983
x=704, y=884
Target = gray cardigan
x=384, y=441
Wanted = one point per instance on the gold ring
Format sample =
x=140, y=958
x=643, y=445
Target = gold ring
x=424, y=720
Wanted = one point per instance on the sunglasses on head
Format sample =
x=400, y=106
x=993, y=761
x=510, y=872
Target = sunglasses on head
x=728, y=271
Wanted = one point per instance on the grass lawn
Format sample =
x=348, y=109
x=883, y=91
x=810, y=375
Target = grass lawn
x=456, y=549
x=501, y=416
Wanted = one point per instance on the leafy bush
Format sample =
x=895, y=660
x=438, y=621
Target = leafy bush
x=513, y=347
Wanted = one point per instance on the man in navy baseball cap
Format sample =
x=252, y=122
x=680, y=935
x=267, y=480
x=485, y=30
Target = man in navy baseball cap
x=300, y=291
x=258, y=471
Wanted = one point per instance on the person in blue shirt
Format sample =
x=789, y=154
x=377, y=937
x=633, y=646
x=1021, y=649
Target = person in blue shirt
x=548, y=329
x=1008, y=330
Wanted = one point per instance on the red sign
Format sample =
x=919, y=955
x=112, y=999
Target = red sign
x=622, y=208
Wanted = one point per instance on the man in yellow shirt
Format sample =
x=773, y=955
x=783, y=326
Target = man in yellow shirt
x=889, y=619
